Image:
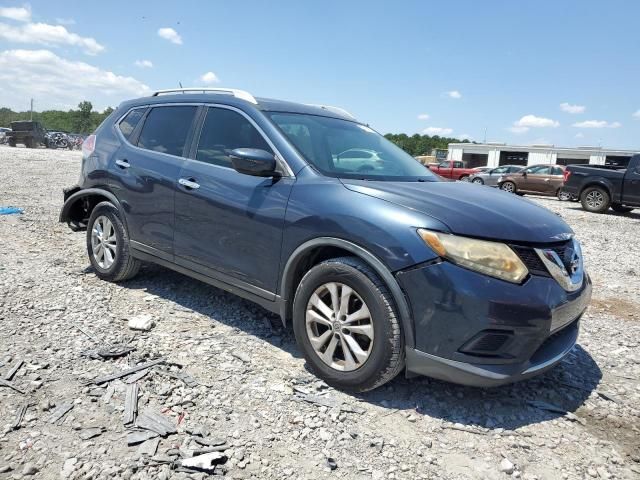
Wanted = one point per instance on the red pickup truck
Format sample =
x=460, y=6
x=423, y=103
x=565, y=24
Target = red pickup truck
x=453, y=169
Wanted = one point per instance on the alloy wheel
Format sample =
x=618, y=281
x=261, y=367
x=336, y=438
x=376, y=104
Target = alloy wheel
x=595, y=199
x=104, y=242
x=508, y=187
x=339, y=326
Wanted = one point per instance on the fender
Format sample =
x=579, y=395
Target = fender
x=70, y=201
x=358, y=251
x=598, y=182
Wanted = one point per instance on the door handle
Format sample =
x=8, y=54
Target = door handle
x=189, y=183
x=124, y=163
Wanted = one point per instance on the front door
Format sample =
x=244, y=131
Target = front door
x=537, y=179
x=631, y=187
x=228, y=224
x=146, y=169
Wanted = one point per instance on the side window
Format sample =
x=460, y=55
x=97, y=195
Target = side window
x=128, y=124
x=165, y=129
x=500, y=170
x=445, y=165
x=543, y=171
x=458, y=165
x=223, y=131
x=557, y=171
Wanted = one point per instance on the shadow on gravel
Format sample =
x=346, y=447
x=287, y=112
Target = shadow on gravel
x=566, y=387
x=215, y=303
x=633, y=214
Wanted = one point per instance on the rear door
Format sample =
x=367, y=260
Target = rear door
x=145, y=172
x=228, y=224
x=537, y=179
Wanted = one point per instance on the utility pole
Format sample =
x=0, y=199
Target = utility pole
x=31, y=112
x=485, y=135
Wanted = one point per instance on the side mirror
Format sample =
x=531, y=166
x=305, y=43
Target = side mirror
x=253, y=161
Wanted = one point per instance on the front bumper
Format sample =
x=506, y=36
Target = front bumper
x=476, y=330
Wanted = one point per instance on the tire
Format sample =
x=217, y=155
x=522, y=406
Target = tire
x=508, y=186
x=122, y=266
x=616, y=207
x=385, y=351
x=477, y=181
x=464, y=178
x=28, y=143
x=12, y=142
x=563, y=196
x=595, y=199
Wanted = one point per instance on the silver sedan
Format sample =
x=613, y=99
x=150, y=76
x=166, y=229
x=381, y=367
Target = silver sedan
x=490, y=177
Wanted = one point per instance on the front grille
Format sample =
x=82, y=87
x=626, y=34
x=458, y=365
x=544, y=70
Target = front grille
x=533, y=262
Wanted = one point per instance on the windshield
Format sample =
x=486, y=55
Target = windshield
x=343, y=149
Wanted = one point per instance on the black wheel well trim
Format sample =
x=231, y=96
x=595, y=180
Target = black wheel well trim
x=88, y=192
x=597, y=183
x=287, y=289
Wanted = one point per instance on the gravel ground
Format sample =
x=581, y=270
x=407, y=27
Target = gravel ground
x=233, y=385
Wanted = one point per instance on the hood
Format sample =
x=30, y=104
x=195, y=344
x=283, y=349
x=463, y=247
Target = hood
x=471, y=210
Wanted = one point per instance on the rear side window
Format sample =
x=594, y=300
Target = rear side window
x=223, y=131
x=166, y=129
x=130, y=121
x=557, y=171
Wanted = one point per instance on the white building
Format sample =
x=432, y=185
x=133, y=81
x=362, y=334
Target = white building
x=495, y=154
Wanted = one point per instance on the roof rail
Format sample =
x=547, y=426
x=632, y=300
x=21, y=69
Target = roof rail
x=339, y=110
x=229, y=91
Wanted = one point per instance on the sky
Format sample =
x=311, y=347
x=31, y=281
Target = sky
x=539, y=72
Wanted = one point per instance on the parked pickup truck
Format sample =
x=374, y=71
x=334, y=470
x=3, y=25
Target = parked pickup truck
x=30, y=134
x=602, y=186
x=454, y=170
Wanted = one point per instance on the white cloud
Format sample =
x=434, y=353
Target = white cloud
x=597, y=124
x=170, y=34
x=531, y=121
x=465, y=136
x=55, y=82
x=45, y=34
x=209, y=78
x=424, y=116
x=519, y=129
x=20, y=14
x=453, y=94
x=437, y=131
x=636, y=114
x=567, y=107
x=579, y=135
x=143, y=63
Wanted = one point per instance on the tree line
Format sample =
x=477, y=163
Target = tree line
x=83, y=120
x=417, y=144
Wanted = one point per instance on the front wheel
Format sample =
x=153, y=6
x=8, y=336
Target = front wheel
x=346, y=326
x=508, y=187
x=108, y=245
x=477, y=181
x=595, y=199
x=616, y=207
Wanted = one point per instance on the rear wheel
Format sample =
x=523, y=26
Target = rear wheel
x=616, y=207
x=563, y=196
x=508, y=187
x=108, y=245
x=12, y=142
x=595, y=199
x=345, y=324
x=464, y=178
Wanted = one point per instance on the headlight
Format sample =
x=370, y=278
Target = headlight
x=491, y=258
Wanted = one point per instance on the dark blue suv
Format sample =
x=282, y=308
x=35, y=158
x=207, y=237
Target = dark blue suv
x=379, y=264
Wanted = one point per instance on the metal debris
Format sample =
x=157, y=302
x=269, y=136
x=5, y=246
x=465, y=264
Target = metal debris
x=87, y=433
x=150, y=420
x=205, y=463
x=135, y=437
x=19, y=416
x=130, y=404
x=13, y=370
x=60, y=411
x=124, y=373
x=4, y=383
x=149, y=447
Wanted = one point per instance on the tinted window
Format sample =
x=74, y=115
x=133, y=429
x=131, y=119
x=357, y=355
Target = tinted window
x=223, y=131
x=557, y=171
x=129, y=123
x=500, y=170
x=515, y=169
x=458, y=165
x=166, y=128
x=445, y=165
x=539, y=170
